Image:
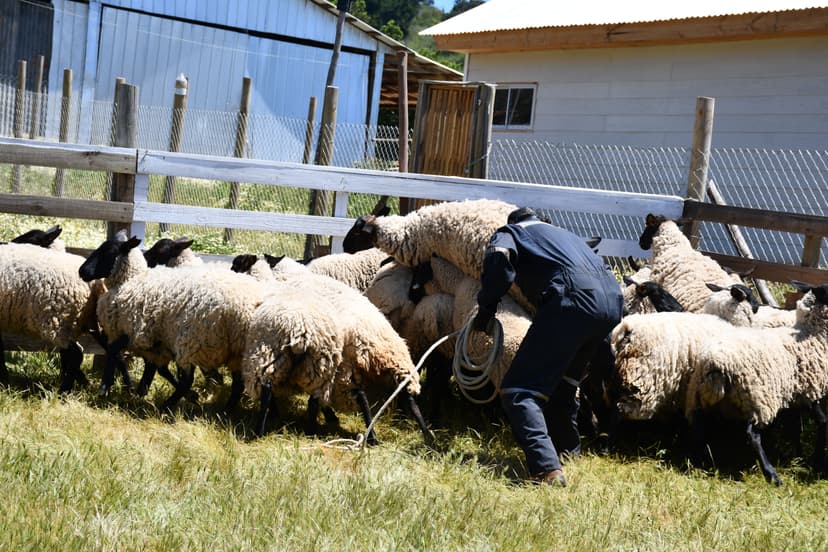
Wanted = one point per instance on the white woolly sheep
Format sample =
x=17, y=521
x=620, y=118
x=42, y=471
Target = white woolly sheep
x=193, y=316
x=753, y=373
x=655, y=355
x=372, y=351
x=42, y=296
x=354, y=269
x=738, y=305
x=679, y=268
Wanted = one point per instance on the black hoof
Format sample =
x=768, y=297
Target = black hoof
x=103, y=390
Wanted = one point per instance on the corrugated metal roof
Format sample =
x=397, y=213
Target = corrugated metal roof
x=504, y=15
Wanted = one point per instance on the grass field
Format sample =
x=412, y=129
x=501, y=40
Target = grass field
x=87, y=473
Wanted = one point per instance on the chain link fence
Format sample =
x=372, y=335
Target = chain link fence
x=781, y=180
x=778, y=180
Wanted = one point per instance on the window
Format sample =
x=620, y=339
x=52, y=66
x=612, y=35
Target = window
x=513, y=106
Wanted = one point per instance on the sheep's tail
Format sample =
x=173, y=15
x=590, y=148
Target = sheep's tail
x=715, y=387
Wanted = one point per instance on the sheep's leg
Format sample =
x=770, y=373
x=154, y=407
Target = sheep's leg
x=818, y=411
x=438, y=376
x=265, y=400
x=417, y=415
x=146, y=378
x=185, y=383
x=114, y=359
x=755, y=437
x=236, y=388
x=70, y=360
x=697, y=423
x=4, y=373
x=330, y=416
x=312, y=416
x=365, y=408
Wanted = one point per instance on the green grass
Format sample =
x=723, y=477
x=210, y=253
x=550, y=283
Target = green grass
x=88, y=473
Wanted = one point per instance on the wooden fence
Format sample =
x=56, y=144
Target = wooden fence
x=343, y=181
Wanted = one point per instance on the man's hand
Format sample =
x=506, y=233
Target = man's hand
x=484, y=321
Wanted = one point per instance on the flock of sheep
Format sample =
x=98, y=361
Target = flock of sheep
x=344, y=326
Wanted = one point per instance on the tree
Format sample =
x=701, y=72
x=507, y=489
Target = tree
x=461, y=6
x=393, y=30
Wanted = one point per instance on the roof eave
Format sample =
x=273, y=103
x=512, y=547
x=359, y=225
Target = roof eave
x=804, y=22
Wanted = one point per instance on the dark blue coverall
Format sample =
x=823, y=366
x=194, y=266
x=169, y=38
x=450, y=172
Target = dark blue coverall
x=578, y=302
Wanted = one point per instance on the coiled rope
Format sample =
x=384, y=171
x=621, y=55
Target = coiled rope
x=469, y=375
x=473, y=373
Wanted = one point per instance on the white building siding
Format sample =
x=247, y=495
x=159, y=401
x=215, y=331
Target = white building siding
x=769, y=93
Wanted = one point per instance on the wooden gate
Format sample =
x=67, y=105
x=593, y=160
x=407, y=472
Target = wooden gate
x=452, y=130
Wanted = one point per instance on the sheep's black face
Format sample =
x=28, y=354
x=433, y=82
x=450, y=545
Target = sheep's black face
x=273, y=260
x=101, y=262
x=41, y=238
x=166, y=249
x=243, y=263
x=743, y=293
x=361, y=236
x=651, y=226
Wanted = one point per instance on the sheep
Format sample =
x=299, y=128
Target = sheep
x=354, y=269
x=42, y=296
x=679, y=268
x=193, y=316
x=751, y=374
x=727, y=302
x=172, y=253
x=372, y=352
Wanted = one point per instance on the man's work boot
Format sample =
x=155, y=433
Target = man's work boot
x=555, y=478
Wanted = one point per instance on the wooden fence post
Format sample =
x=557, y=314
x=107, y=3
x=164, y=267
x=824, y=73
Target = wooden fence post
x=699, y=160
x=320, y=200
x=118, y=81
x=177, y=129
x=65, y=109
x=812, y=246
x=407, y=204
x=19, y=108
x=126, y=136
x=34, y=129
x=481, y=131
x=239, y=148
x=306, y=155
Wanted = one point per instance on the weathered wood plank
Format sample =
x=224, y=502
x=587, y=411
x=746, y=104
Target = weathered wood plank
x=63, y=207
x=446, y=188
x=757, y=218
x=771, y=271
x=67, y=156
x=248, y=220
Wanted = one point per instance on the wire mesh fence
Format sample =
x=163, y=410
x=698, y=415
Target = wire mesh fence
x=780, y=180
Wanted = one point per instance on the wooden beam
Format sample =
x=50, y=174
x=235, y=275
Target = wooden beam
x=807, y=22
x=67, y=208
x=67, y=156
x=796, y=223
x=443, y=188
x=771, y=271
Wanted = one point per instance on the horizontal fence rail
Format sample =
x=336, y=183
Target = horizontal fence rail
x=342, y=181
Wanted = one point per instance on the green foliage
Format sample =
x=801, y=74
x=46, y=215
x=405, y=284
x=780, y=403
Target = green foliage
x=461, y=6
x=392, y=29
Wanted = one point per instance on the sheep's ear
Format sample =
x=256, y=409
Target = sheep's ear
x=184, y=242
x=738, y=293
x=129, y=244
x=593, y=242
x=381, y=209
x=714, y=287
x=651, y=220
x=273, y=260
x=629, y=281
x=633, y=263
x=386, y=260
x=801, y=286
